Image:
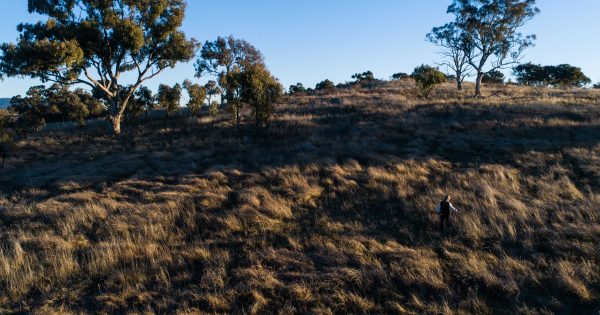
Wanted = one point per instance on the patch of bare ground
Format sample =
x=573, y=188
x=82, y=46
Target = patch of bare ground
x=328, y=211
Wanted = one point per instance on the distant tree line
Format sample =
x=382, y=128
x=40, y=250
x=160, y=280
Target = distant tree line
x=57, y=103
x=556, y=76
x=82, y=43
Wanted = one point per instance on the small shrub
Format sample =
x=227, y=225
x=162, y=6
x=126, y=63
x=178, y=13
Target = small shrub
x=493, y=77
x=427, y=79
x=325, y=85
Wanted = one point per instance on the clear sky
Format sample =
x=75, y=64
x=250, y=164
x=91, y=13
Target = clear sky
x=310, y=40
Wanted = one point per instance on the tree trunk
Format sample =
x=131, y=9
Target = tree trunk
x=478, y=84
x=117, y=113
x=257, y=117
x=237, y=118
x=459, y=81
x=116, y=123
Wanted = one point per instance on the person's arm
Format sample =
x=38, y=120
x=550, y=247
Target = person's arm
x=438, y=209
x=453, y=209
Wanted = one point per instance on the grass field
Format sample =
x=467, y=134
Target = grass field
x=329, y=211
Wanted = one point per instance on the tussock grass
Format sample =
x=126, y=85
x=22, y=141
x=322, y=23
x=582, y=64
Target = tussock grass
x=328, y=211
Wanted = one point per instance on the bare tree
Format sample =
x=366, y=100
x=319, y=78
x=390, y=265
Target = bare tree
x=450, y=39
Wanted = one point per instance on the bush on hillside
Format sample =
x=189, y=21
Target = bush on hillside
x=493, y=77
x=427, y=79
x=564, y=75
x=325, y=85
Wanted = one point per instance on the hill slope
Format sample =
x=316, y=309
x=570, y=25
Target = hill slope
x=329, y=211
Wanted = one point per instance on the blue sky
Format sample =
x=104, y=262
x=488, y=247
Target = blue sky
x=310, y=40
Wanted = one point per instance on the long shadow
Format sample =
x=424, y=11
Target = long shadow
x=460, y=134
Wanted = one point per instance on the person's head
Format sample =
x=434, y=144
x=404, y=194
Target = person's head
x=447, y=198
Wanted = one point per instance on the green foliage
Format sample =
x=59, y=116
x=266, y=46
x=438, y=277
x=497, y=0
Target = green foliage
x=134, y=108
x=197, y=95
x=596, y=86
x=94, y=106
x=227, y=59
x=4, y=126
x=400, y=76
x=297, y=88
x=94, y=42
x=530, y=74
x=261, y=91
x=212, y=89
x=55, y=104
x=427, y=79
x=144, y=97
x=213, y=109
x=6, y=136
x=365, y=76
x=557, y=76
x=488, y=32
x=169, y=97
x=325, y=85
x=493, y=77
x=566, y=76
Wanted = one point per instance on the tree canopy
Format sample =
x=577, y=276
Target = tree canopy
x=493, y=77
x=400, y=76
x=297, y=88
x=489, y=32
x=564, y=75
x=365, y=76
x=261, y=91
x=325, y=85
x=95, y=42
x=57, y=103
x=226, y=59
x=428, y=78
x=169, y=97
x=197, y=95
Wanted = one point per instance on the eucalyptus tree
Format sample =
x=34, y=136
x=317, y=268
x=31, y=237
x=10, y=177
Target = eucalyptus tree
x=493, y=77
x=450, y=38
x=427, y=79
x=489, y=31
x=297, y=88
x=95, y=43
x=325, y=85
x=365, y=76
x=261, y=91
x=226, y=59
x=169, y=98
x=564, y=75
x=400, y=76
x=197, y=95
x=212, y=89
x=146, y=99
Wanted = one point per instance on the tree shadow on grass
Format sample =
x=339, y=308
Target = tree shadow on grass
x=463, y=135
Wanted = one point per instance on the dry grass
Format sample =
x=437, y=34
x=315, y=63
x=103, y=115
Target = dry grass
x=329, y=211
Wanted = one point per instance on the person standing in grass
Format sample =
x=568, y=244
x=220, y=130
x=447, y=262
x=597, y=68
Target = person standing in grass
x=443, y=210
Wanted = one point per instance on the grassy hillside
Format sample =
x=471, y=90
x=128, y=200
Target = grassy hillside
x=327, y=212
